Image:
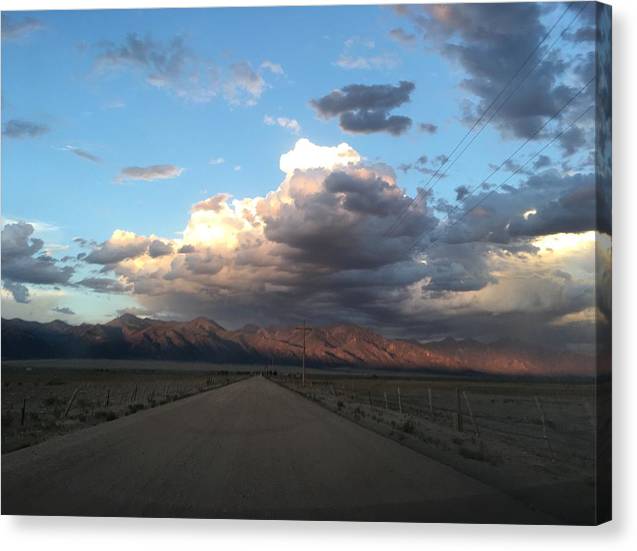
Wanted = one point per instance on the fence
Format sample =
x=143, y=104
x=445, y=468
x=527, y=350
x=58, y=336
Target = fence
x=552, y=427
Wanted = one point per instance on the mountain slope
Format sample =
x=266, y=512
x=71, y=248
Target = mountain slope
x=335, y=345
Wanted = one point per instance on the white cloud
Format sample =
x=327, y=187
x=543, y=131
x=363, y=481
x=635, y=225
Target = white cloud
x=383, y=61
x=290, y=124
x=216, y=161
x=305, y=156
x=274, y=68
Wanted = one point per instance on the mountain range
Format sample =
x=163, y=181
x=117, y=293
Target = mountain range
x=131, y=337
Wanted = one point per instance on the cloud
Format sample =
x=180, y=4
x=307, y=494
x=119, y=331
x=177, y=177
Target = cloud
x=20, y=292
x=158, y=248
x=274, y=68
x=427, y=127
x=365, y=109
x=214, y=203
x=121, y=246
x=290, y=124
x=572, y=140
x=82, y=153
x=175, y=67
x=382, y=61
x=244, y=85
x=461, y=192
x=24, y=261
x=520, y=266
x=19, y=128
x=489, y=43
x=103, y=285
x=149, y=173
x=402, y=36
x=216, y=161
x=16, y=29
x=63, y=310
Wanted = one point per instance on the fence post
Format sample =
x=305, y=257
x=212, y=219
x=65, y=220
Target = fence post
x=589, y=412
x=400, y=404
x=369, y=394
x=473, y=419
x=543, y=418
x=458, y=411
x=431, y=407
x=108, y=397
x=24, y=410
x=133, y=395
x=386, y=402
x=70, y=404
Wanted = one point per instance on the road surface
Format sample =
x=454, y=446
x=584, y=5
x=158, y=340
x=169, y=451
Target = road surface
x=248, y=450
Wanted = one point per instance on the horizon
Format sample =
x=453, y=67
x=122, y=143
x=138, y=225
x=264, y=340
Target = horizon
x=180, y=175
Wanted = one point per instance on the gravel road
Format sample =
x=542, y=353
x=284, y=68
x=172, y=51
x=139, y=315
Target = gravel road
x=248, y=450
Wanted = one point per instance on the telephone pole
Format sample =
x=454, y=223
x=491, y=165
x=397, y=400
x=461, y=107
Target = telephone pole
x=305, y=329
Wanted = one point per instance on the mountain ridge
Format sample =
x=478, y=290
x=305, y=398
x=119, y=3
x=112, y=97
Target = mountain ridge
x=202, y=339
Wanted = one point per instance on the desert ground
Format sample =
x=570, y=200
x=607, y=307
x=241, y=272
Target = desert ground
x=529, y=442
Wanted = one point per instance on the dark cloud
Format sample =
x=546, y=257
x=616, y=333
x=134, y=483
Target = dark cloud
x=365, y=109
x=15, y=29
x=461, y=192
x=103, y=285
x=583, y=34
x=402, y=36
x=543, y=204
x=83, y=153
x=543, y=161
x=21, y=265
x=427, y=127
x=116, y=250
x=490, y=42
x=18, y=128
x=20, y=292
x=186, y=249
x=63, y=310
x=149, y=173
x=159, y=248
x=572, y=140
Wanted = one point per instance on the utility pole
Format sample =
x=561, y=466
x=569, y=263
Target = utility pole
x=305, y=329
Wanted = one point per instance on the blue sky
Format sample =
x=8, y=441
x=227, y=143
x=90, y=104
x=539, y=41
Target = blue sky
x=153, y=122
x=50, y=76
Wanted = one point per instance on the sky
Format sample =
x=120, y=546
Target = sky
x=428, y=171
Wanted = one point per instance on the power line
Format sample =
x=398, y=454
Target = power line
x=531, y=138
x=424, y=192
x=499, y=186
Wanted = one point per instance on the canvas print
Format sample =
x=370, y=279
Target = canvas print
x=313, y=263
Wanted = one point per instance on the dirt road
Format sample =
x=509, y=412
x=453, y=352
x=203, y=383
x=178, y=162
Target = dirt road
x=249, y=450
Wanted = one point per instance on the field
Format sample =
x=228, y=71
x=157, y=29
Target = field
x=534, y=440
x=46, y=398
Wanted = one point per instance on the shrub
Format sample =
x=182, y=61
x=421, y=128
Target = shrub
x=106, y=415
x=469, y=453
x=407, y=426
x=132, y=408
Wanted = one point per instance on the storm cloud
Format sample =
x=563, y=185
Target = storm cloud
x=23, y=261
x=365, y=109
x=490, y=42
x=19, y=128
x=320, y=243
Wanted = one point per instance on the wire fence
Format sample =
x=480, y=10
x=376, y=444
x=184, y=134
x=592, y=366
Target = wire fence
x=552, y=427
